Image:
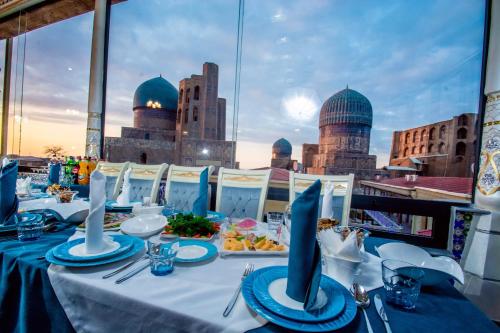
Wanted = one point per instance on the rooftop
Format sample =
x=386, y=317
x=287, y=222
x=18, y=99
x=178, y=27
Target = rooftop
x=449, y=184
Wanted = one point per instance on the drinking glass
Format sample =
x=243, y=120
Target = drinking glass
x=287, y=216
x=168, y=209
x=29, y=228
x=162, y=254
x=402, y=283
x=274, y=223
x=146, y=201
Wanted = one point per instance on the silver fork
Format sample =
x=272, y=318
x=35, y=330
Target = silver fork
x=248, y=270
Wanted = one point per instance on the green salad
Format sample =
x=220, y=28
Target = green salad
x=189, y=225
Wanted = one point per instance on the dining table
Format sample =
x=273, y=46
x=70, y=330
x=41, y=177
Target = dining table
x=36, y=296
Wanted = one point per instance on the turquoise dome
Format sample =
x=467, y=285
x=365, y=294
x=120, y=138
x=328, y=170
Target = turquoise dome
x=157, y=90
x=346, y=107
x=282, y=147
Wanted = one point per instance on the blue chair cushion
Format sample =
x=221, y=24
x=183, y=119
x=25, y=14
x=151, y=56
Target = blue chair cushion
x=140, y=188
x=182, y=195
x=110, y=186
x=240, y=202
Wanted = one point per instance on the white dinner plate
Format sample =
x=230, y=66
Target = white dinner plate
x=144, y=225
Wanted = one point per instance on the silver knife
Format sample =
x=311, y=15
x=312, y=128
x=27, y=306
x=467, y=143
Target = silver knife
x=381, y=312
x=132, y=273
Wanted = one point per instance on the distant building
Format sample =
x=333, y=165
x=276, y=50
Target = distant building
x=282, y=155
x=345, y=123
x=186, y=128
x=442, y=149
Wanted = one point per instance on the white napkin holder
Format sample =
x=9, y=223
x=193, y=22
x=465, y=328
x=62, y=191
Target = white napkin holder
x=341, y=257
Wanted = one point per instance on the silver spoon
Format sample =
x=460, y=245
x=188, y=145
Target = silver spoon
x=363, y=301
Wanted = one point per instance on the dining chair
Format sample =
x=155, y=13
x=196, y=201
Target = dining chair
x=145, y=180
x=242, y=193
x=342, y=192
x=114, y=177
x=183, y=186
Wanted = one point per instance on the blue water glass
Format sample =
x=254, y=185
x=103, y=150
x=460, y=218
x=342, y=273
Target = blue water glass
x=162, y=255
x=29, y=229
x=168, y=209
x=402, y=283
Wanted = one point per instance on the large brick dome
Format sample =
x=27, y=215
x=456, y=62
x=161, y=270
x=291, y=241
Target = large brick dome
x=346, y=106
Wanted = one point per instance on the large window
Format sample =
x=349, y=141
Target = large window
x=171, y=72
x=355, y=87
x=49, y=88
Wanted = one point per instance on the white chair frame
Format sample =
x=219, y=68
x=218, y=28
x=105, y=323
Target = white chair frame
x=343, y=185
x=149, y=172
x=187, y=175
x=113, y=170
x=244, y=179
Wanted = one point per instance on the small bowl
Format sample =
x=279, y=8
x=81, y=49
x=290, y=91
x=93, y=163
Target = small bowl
x=65, y=196
x=144, y=225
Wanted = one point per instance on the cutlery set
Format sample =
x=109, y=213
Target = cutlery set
x=131, y=273
x=363, y=301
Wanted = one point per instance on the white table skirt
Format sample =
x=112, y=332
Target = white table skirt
x=191, y=299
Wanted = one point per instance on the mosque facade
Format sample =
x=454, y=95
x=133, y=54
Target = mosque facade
x=185, y=127
x=345, y=124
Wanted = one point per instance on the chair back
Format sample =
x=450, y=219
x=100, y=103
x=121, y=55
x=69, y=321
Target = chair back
x=114, y=177
x=342, y=192
x=145, y=180
x=242, y=193
x=183, y=186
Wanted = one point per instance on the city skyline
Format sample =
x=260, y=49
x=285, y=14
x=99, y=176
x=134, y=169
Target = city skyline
x=416, y=63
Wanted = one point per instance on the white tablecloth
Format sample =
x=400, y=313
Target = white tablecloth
x=191, y=299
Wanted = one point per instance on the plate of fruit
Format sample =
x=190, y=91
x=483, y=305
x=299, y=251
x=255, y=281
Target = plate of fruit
x=234, y=241
x=189, y=226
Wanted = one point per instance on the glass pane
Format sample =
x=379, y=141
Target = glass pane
x=49, y=90
x=171, y=82
x=387, y=91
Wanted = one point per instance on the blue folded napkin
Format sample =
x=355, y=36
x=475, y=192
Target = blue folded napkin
x=54, y=172
x=200, y=204
x=8, y=198
x=304, y=259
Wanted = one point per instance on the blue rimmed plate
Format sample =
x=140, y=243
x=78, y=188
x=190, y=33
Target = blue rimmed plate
x=24, y=217
x=29, y=217
x=138, y=245
x=270, y=286
x=215, y=216
x=112, y=205
x=195, y=251
x=344, y=318
x=62, y=252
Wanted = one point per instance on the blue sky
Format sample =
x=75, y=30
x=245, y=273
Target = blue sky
x=417, y=62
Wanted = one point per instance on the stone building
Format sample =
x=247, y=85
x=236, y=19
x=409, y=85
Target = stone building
x=345, y=123
x=442, y=149
x=186, y=128
x=282, y=155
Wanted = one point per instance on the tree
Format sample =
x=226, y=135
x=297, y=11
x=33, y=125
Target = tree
x=50, y=151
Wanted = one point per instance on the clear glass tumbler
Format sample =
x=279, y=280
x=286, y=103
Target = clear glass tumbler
x=29, y=227
x=402, y=283
x=274, y=224
x=162, y=255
